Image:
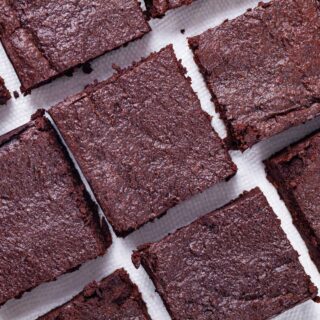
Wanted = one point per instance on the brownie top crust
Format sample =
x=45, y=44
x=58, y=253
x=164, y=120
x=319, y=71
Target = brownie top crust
x=263, y=69
x=142, y=141
x=45, y=38
x=113, y=298
x=158, y=8
x=4, y=93
x=48, y=224
x=295, y=172
x=233, y=263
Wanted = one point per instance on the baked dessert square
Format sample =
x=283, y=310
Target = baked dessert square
x=48, y=224
x=142, y=141
x=295, y=173
x=5, y=95
x=234, y=263
x=46, y=38
x=113, y=298
x=263, y=69
x=158, y=8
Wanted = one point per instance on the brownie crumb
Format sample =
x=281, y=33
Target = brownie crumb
x=16, y=94
x=183, y=31
x=86, y=68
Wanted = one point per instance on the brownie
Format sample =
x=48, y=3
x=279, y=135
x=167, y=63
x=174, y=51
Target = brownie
x=295, y=172
x=48, y=224
x=4, y=93
x=263, y=69
x=113, y=298
x=158, y=8
x=44, y=39
x=234, y=263
x=142, y=141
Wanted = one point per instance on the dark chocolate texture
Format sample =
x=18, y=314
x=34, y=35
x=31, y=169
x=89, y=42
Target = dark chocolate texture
x=46, y=38
x=158, y=8
x=263, y=69
x=234, y=263
x=142, y=141
x=4, y=93
x=113, y=298
x=295, y=172
x=48, y=224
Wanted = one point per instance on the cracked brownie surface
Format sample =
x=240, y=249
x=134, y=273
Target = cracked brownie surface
x=234, y=263
x=142, y=141
x=45, y=38
x=113, y=298
x=263, y=69
x=48, y=223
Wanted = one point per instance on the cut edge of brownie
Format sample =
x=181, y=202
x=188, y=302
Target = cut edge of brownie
x=120, y=232
x=139, y=255
x=154, y=12
x=68, y=72
x=5, y=95
x=232, y=141
x=93, y=288
x=299, y=220
x=39, y=121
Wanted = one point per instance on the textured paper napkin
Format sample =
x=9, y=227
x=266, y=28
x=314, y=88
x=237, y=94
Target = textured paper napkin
x=193, y=19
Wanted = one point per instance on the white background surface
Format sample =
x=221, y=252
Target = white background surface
x=194, y=19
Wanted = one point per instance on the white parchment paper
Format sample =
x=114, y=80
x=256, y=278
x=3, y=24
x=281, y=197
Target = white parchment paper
x=194, y=19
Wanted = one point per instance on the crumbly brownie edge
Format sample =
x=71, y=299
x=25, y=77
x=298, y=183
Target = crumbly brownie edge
x=5, y=95
x=154, y=12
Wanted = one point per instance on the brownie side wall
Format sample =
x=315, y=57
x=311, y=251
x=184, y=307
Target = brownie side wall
x=232, y=141
x=140, y=257
x=99, y=224
x=299, y=220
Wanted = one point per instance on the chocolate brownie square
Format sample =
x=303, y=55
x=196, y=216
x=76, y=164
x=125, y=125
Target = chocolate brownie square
x=44, y=39
x=142, y=141
x=234, y=263
x=295, y=172
x=113, y=298
x=158, y=8
x=48, y=224
x=263, y=69
x=4, y=93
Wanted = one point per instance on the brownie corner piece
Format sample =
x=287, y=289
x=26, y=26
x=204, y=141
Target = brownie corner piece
x=48, y=223
x=158, y=8
x=145, y=131
x=44, y=42
x=234, y=263
x=115, y=297
x=294, y=172
x=262, y=69
x=5, y=95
